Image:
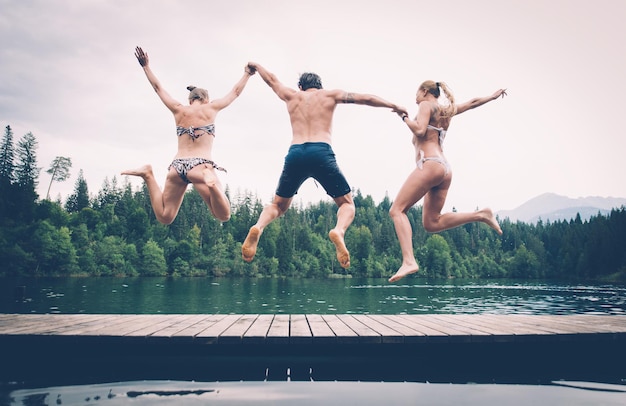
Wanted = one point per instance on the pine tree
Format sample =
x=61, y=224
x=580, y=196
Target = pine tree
x=7, y=158
x=80, y=198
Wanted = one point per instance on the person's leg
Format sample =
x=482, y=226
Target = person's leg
x=345, y=216
x=271, y=212
x=208, y=185
x=167, y=203
x=414, y=188
x=434, y=221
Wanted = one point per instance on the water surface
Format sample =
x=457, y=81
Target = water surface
x=297, y=296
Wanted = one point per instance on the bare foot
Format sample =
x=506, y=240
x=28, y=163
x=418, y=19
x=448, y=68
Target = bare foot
x=248, y=249
x=490, y=220
x=343, y=256
x=143, y=171
x=404, y=270
x=209, y=177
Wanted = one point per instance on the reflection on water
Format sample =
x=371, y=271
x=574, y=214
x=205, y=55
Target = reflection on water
x=320, y=393
x=297, y=296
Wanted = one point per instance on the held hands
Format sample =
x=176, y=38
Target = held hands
x=401, y=112
x=250, y=69
x=141, y=56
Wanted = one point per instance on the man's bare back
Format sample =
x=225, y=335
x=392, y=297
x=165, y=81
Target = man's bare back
x=311, y=113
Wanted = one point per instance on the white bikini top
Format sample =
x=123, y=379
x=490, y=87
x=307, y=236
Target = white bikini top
x=441, y=131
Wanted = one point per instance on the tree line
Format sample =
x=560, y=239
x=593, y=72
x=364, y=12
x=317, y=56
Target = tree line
x=115, y=233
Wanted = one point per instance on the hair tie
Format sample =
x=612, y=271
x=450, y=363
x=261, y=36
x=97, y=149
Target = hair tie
x=437, y=84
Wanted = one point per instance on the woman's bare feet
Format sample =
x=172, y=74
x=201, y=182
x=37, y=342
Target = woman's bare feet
x=248, y=249
x=490, y=220
x=404, y=270
x=210, y=179
x=143, y=171
x=343, y=256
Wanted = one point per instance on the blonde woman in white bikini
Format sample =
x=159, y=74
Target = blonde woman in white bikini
x=432, y=176
x=195, y=128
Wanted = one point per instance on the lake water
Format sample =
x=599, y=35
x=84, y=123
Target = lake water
x=304, y=296
x=321, y=393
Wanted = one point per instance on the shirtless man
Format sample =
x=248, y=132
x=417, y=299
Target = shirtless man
x=311, y=111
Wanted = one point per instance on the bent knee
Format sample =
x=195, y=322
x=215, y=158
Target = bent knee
x=431, y=226
x=396, y=211
x=166, y=220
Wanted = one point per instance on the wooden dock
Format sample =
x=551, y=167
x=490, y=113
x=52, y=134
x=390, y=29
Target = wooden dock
x=434, y=347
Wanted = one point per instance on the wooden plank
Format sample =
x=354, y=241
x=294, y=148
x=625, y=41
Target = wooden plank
x=409, y=334
x=180, y=322
x=343, y=333
x=447, y=324
x=455, y=322
x=498, y=328
x=45, y=325
x=320, y=330
x=387, y=334
x=452, y=332
x=517, y=327
x=121, y=325
x=279, y=330
x=412, y=322
x=470, y=325
x=536, y=324
x=25, y=324
x=299, y=330
x=366, y=334
x=211, y=334
x=257, y=333
x=203, y=323
x=234, y=334
x=581, y=324
x=97, y=322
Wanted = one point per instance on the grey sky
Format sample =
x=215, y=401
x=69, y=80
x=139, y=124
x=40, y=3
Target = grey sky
x=68, y=74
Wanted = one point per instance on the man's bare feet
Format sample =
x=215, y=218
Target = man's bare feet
x=143, y=171
x=490, y=220
x=343, y=256
x=248, y=249
x=404, y=270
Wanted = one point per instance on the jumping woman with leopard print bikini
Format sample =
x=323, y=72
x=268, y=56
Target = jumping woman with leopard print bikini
x=195, y=128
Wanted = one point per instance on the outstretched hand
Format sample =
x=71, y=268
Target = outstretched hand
x=141, y=56
x=501, y=92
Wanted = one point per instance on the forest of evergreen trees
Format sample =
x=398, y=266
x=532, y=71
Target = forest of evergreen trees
x=115, y=233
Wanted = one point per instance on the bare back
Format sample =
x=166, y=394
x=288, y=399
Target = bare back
x=311, y=114
x=195, y=115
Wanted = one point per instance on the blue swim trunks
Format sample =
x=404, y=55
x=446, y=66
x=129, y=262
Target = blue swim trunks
x=311, y=160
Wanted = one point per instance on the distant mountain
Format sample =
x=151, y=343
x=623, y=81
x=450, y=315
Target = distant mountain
x=552, y=207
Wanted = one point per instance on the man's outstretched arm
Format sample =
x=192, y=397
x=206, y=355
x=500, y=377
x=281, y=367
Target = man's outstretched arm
x=368, y=100
x=272, y=81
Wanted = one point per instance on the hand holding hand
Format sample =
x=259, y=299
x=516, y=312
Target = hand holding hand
x=400, y=111
x=250, y=69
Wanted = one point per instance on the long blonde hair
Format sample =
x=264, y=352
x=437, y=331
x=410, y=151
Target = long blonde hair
x=432, y=87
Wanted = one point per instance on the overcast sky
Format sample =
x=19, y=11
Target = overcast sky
x=69, y=76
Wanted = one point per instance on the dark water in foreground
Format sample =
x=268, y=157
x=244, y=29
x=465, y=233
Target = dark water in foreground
x=297, y=296
x=321, y=393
